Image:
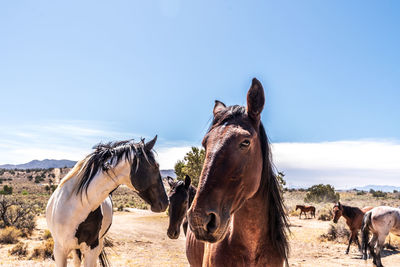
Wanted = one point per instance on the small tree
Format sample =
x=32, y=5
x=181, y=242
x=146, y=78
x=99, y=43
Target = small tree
x=191, y=165
x=322, y=193
x=281, y=181
x=17, y=213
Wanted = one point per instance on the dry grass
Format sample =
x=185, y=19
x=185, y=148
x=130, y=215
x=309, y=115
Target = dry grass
x=44, y=250
x=46, y=234
x=337, y=232
x=20, y=250
x=325, y=213
x=9, y=235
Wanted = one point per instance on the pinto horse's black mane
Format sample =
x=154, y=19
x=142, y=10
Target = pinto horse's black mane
x=269, y=187
x=106, y=155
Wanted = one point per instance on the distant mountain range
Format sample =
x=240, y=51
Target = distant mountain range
x=41, y=164
x=165, y=173
x=383, y=188
x=54, y=163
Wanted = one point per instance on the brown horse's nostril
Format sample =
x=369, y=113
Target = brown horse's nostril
x=212, y=223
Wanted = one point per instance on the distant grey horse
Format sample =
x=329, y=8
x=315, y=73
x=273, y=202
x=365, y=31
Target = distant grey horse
x=380, y=221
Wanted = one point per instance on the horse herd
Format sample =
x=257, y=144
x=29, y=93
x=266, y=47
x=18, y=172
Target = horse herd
x=235, y=217
x=380, y=221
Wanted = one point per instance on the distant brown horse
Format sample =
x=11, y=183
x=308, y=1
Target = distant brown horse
x=354, y=217
x=238, y=209
x=305, y=209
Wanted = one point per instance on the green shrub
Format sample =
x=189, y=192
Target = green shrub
x=322, y=193
x=7, y=190
x=378, y=193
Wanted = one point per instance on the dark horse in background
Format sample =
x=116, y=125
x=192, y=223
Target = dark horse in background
x=238, y=210
x=354, y=217
x=180, y=198
x=305, y=209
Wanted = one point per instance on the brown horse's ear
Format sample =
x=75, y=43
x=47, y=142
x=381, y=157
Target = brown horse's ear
x=339, y=205
x=218, y=107
x=187, y=181
x=255, y=100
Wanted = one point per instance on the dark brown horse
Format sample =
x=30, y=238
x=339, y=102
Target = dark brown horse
x=180, y=198
x=305, y=209
x=354, y=217
x=238, y=209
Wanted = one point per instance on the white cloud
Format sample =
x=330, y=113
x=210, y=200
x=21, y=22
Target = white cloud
x=344, y=164
x=168, y=156
x=59, y=140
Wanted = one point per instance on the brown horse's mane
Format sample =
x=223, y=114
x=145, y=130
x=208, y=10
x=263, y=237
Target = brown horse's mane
x=349, y=211
x=269, y=188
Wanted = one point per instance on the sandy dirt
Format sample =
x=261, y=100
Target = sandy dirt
x=140, y=239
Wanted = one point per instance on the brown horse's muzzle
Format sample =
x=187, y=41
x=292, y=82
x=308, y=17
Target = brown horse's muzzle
x=208, y=226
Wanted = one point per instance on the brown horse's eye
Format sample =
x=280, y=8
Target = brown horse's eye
x=245, y=143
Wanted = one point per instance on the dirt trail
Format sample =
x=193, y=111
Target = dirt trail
x=306, y=250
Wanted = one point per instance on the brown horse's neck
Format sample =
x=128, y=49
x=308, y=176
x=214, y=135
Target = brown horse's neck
x=249, y=228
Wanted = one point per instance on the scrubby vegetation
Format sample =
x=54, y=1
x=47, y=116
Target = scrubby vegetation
x=9, y=235
x=322, y=193
x=18, y=214
x=44, y=250
x=337, y=232
x=7, y=190
x=20, y=250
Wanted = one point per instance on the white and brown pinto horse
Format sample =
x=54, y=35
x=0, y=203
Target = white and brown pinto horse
x=380, y=221
x=79, y=212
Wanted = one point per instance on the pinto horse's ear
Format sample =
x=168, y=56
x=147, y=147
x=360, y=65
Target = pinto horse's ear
x=187, y=181
x=170, y=181
x=149, y=145
x=339, y=205
x=255, y=100
x=218, y=107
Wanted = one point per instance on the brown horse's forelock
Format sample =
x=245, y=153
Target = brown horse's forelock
x=278, y=225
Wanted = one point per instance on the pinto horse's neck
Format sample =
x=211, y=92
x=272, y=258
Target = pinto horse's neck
x=102, y=185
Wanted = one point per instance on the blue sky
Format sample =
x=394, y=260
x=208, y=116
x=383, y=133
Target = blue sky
x=76, y=73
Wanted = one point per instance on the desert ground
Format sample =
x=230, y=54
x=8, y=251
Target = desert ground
x=140, y=239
